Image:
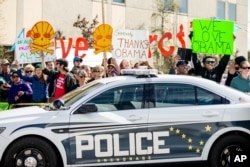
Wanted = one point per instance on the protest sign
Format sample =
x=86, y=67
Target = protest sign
x=102, y=36
x=23, y=54
x=42, y=34
x=130, y=45
x=213, y=37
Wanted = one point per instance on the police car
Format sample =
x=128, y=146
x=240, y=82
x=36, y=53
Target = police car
x=144, y=119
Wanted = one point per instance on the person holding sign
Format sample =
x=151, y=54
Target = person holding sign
x=209, y=70
x=64, y=80
x=38, y=83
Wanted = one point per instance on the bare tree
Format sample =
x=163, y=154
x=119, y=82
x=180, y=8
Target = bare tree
x=162, y=12
x=59, y=34
x=87, y=30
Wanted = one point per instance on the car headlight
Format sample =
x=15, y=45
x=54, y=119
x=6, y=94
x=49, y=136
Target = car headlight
x=2, y=129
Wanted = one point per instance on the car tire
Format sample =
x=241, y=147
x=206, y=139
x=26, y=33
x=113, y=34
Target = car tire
x=226, y=146
x=32, y=151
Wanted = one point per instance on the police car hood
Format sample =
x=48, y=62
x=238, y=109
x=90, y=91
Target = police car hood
x=24, y=114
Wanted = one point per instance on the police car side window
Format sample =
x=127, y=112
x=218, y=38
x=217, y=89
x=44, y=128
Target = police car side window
x=205, y=97
x=173, y=95
x=119, y=98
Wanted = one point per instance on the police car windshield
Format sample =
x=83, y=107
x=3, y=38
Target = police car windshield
x=73, y=96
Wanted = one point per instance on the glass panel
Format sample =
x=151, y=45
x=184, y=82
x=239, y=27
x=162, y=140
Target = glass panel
x=169, y=5
x=232, y=11
x=119, y=1
x=120, y=98
x=171, y=95
x=183, y=6
x=73, y=96
x=221, y=9
x=205, y=97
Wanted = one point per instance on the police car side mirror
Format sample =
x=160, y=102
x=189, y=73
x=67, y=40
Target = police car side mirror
x=57, y=104
x=86, y=108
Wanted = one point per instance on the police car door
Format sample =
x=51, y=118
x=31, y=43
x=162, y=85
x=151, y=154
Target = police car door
x=115, y=133
x=182, y=121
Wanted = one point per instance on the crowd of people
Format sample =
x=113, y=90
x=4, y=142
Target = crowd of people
x=45, y=81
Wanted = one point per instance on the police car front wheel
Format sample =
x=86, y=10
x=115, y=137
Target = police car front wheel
x=226, y=148
x=30, y=152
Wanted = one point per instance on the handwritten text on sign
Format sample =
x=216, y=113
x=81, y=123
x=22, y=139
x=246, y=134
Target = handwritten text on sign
x=212, y=37
x=130, y=44
x=23, y=54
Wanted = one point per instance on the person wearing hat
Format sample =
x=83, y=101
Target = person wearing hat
x=181, y=67
x=5, y=70
x=38, y=83
x=64, y=80
x=5, y=75
x=77, y=64
x=112, y=72
x=233, y=70
x=20, y=91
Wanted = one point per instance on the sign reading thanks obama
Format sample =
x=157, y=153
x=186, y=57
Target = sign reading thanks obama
x=130, y=44
x=213, y=37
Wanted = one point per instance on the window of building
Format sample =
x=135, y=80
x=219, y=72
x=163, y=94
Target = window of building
x=221, y=9
x=119, y=1
x=181, y=5
x=232, y=11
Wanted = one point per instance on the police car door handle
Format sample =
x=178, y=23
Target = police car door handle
x=210, y=114
x=134, y=118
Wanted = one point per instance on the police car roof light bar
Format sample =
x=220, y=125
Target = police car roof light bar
x=140, y=72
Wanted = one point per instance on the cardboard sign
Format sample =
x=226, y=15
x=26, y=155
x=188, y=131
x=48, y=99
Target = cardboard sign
x=130, y=45
x=103, y=38
x=213, y=37
x=42, y=35
x=23, y=54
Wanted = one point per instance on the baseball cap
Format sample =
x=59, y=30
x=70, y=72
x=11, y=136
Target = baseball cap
x=38, y=66
x=63, y=61
x=181, y=62
x=76, y=58
x=5, y=61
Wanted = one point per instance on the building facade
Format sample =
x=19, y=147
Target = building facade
x=121, y=14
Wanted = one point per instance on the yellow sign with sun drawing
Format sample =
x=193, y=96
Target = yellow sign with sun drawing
x=103, y=38
x=42, y=34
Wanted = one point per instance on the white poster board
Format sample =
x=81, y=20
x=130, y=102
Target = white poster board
x=130, y=45
x=24, y=56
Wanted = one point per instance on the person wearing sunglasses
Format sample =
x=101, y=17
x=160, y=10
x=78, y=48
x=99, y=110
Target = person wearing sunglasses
x=38, y=83
x=29, y=70
x=20, y=91
x=97, y=73
x=233, y=70
x=242, y=81
x=81, y=78
x=210, y=70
